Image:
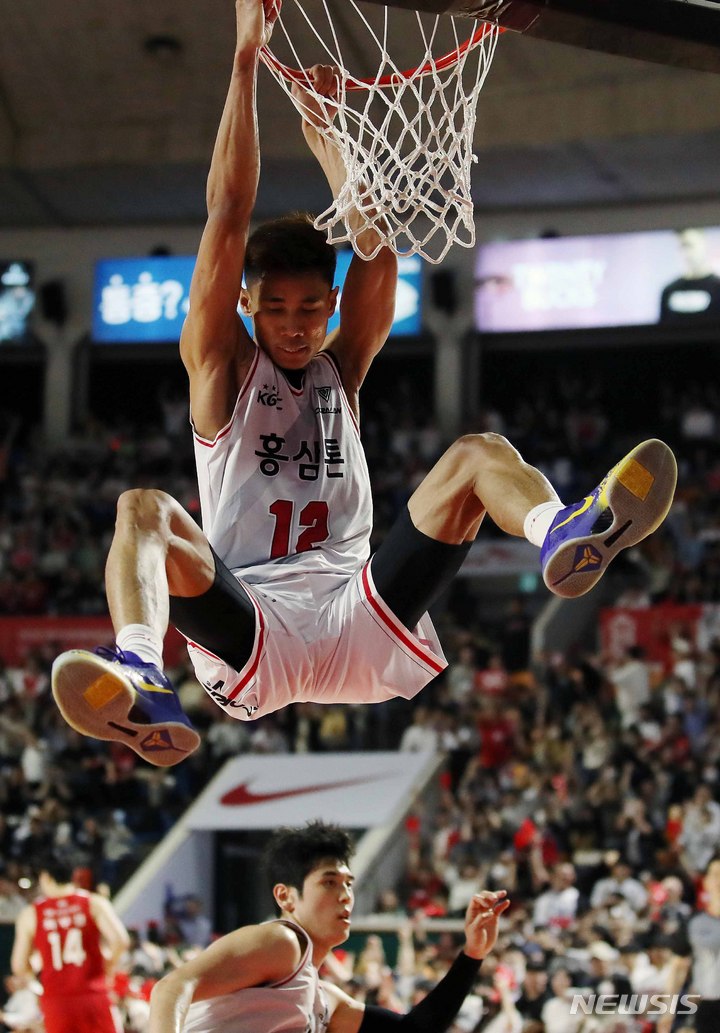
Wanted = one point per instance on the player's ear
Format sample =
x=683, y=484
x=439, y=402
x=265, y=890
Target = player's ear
x=245, y=302
x=285, y=896
x=333, y=300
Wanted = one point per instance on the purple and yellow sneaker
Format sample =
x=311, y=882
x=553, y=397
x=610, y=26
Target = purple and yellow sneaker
x=108, y=694
x=627, y=506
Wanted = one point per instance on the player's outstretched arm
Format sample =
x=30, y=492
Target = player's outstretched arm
x=214, y=343
x=437, y=1011
x=367, y=306
x=256, y=955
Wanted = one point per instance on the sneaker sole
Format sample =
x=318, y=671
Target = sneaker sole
x=639, y=492
x=95, y=699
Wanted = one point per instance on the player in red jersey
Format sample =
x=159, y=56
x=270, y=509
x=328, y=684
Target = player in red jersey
x=80, y=939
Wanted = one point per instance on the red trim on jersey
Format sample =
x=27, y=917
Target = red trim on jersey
x=226, y=430
x=394, y=625
x=336, y=370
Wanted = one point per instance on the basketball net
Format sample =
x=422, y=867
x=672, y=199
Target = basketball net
x=405, y=136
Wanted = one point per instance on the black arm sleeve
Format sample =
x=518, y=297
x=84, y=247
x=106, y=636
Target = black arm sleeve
x=433, y=1014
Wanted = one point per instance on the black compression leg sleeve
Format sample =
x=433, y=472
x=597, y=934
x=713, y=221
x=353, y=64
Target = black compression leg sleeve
x=221, y=619
x=411, y=570
x=436, y=1012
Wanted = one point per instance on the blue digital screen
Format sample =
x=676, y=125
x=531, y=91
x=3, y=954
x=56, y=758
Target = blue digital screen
x=141, y=299
x=138, y=300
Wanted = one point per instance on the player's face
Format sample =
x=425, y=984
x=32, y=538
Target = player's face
x=290, y=315
x=326, y=903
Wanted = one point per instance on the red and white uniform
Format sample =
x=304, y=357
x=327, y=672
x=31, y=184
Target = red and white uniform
x=287, y=505
x=295, y=1005
x=75, y=995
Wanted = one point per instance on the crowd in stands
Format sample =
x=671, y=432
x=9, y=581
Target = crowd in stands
x=584, y=784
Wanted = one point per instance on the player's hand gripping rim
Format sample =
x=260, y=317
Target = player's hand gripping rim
x=318, y=97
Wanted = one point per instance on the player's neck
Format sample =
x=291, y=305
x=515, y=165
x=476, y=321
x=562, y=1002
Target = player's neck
x=59, y=890
x=295, y=377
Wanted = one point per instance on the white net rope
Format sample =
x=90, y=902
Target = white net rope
x=405, y=137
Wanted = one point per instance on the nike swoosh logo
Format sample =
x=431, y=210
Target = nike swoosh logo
x=589, y=499
x=243, y=796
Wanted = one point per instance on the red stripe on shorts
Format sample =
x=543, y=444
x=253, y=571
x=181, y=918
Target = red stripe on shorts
x=396, y=627
x=254, y=661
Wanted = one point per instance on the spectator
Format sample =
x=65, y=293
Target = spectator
x=703, y=958
x=195, y=927
x=460, y=675
x=492, y=680
x=603, y=975
x=620, y=884
x=700, y=835
x=422, y=734
x=21, y=1011
x=556, y=1012
x=630, y=679
x=534, y=990
x=558, y=905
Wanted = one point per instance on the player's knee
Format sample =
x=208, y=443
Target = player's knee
x=488, y=450
x=144, y=509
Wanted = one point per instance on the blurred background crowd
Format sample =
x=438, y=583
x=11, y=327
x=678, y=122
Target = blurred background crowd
x=584, y=783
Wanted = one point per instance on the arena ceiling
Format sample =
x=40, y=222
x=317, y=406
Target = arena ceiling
x=98, y=127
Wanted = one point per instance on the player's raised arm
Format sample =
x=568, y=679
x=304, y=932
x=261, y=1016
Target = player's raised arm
x=436, y=1012
x=214, y=344
x=367, y=305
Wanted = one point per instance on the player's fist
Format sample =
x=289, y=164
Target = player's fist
x=272, y=11
x=317, y=96
x=255, y=20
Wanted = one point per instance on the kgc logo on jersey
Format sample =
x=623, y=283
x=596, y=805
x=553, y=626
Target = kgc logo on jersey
x=325, y=395
x=269, y=396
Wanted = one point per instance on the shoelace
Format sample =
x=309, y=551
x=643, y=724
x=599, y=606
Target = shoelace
x=115, y=655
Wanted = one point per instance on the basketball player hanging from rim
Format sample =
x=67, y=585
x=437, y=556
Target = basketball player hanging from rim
x=277, y=595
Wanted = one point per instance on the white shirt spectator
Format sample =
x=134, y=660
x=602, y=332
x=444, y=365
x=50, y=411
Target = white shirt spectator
x=631, y=681
x=555, y=1013
x=556, y=907
x=700, y=836
x=556, y=1016
x=421, y=736
x=619, y=884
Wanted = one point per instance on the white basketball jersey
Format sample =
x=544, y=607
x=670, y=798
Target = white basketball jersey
x=297, y=1005
x=284, y=487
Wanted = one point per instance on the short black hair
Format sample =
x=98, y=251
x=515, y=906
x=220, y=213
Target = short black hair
x=292, y=853
x=57, y=868
x=289, y=245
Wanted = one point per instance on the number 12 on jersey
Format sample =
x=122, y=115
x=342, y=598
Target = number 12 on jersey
x=310, y=530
